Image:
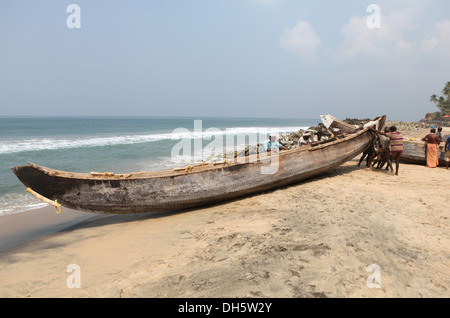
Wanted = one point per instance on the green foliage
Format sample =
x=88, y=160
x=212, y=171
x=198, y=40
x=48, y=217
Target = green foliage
x=438, y=115
x=442, y=102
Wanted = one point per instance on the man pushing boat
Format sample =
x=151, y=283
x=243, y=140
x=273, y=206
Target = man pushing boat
x=396, y=138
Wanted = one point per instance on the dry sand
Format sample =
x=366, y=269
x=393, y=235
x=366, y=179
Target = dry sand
x=313, y=239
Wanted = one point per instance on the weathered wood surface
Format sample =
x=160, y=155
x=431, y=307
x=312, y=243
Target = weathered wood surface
x=175, y=189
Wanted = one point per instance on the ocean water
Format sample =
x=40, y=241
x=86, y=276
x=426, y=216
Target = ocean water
x=117, y=145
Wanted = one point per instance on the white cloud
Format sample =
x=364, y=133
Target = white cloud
x=303, y=40
x=388, y=40
x=397, y=37
x=428, y=45
x=401, y=34
x=439, y=41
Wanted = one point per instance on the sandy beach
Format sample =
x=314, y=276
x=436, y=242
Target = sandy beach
x=317, y=238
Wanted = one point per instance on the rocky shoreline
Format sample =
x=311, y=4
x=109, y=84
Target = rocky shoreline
x=402, y=125
x=405, y=125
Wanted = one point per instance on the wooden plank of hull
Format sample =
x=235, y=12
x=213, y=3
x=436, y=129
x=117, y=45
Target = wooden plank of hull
x=414, y=151
x=173, y=190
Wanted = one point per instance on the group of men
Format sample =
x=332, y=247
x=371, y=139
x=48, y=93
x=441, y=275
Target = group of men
x=433, y=139
x=390, y=147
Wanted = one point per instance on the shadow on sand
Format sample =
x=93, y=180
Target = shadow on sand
x=36, y=239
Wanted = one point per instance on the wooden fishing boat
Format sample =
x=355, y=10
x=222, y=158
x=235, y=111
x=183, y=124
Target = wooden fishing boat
x=192, y=186
x=415, y=151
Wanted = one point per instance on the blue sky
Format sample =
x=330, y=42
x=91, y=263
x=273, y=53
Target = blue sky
x=223, y=58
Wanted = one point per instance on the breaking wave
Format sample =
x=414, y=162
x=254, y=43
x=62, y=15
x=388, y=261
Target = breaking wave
x=19, y=202
x=38, y=144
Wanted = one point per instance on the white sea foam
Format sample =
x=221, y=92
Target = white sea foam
x=36, y=144
x=19, y=202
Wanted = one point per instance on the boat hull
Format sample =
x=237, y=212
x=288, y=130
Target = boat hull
x=172, y=190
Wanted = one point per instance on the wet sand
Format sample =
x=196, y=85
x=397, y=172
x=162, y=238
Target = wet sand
x=23, y=227
x=313, y=239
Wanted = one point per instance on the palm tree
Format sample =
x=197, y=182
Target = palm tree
x=434, y=99
x=442, y=103
x=446, y=90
